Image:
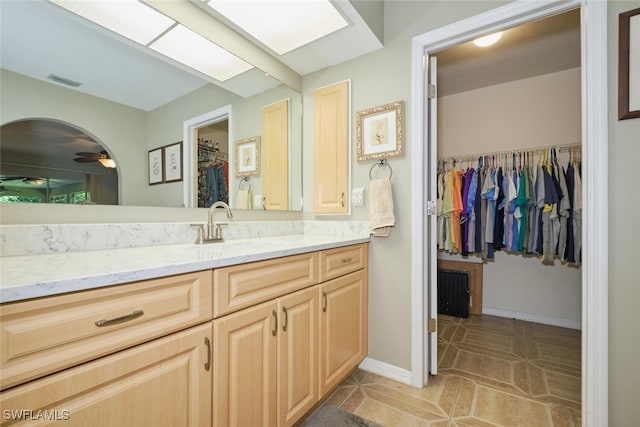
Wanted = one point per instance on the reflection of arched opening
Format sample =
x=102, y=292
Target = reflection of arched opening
x=50, y=161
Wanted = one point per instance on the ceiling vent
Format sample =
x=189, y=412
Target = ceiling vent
x=63, y=81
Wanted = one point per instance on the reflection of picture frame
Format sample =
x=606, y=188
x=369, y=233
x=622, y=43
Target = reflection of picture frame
x=156, y=166
x=629, y=65
x=379, y=132
x=247, y=154
x=173, y=162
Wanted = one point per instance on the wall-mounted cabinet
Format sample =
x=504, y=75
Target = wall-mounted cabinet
x=331, y=149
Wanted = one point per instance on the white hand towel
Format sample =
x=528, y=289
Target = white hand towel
x=381, y=217
x=244, y=199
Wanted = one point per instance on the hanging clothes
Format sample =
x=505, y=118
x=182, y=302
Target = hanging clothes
x=511, y=204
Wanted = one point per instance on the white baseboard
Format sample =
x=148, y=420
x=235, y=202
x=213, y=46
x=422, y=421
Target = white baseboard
x=386, y=370
x=563, y=323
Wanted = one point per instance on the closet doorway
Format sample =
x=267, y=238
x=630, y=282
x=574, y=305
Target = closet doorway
x=519, y=99
x=594, y=141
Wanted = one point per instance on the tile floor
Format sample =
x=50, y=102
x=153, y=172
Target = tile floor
x=492, y=372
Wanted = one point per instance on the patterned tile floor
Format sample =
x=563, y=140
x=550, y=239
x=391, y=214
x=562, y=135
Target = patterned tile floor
x=492, y=372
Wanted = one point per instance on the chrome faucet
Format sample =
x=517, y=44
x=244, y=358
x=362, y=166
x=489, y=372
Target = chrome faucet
x=214, y=231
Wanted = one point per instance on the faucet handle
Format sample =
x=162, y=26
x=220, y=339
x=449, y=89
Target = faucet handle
x=218, y=230
x=200, y=228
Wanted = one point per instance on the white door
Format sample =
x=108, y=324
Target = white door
x=432, y=250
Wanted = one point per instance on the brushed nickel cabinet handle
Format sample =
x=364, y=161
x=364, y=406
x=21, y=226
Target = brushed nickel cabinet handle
x=275, y=328
x=264, y=203
x=286, y=319
x=324, y=302
x=346, y=260
x=342, y=199
x=207, y=364
x=121, y=319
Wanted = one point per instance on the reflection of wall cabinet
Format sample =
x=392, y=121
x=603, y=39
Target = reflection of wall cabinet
x=331, y=149
x=267, y=356
x=163, y=354
x=275, y=155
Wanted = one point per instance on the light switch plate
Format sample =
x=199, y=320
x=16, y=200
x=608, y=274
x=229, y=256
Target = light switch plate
x=257, y=201
x=357, y=196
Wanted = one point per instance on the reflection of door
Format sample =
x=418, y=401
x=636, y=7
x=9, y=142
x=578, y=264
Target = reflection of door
x=275, y=155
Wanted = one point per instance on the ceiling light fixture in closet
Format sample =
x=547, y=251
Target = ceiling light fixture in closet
x=488, y=40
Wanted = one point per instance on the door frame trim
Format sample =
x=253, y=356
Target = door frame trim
x=594, y=101
x=190, y=138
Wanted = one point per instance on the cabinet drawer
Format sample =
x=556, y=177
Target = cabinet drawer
x=164, y=382
x=340, y=261
x=45, y=335
x=244, y=285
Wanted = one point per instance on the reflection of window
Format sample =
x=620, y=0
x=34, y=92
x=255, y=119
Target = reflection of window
x=59, y=198
x=81, y=196
x=20, y=199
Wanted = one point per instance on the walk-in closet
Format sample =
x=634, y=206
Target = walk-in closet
x=509, y=127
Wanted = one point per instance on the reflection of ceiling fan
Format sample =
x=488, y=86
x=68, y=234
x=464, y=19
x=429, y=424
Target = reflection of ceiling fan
x=102, y=157
x=26, y=179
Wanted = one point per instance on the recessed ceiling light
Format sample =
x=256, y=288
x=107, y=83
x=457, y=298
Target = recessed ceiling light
x=191, y=49
x=130, y=18
x=487, y=40
x=282, y=25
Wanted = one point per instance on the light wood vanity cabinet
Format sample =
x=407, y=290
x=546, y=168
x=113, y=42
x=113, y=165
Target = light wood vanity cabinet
x=45, y=335
x=164, y=382
x=274, y=361
x=257, y=344
x=266, y=362
x=146, y=348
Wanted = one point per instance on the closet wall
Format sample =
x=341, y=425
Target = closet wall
x=539, y=111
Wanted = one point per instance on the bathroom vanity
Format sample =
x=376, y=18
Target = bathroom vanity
x=249, y=332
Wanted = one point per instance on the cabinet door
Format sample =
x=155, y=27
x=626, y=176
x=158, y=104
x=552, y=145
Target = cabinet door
x=331, y=148
x=244, y=383
x=164, y=382
x=343, y=327
x=297, y=355
x=275, y=155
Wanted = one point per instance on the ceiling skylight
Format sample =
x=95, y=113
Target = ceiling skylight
x=129, y=18
x=282, y=25
x=146, y=26
x=190, y=48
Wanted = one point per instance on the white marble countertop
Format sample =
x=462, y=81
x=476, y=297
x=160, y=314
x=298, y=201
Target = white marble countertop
x=33, y=276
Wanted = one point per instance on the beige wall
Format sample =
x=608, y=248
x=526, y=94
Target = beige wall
x=624, y=235
x=117, y=126
x=528, y=113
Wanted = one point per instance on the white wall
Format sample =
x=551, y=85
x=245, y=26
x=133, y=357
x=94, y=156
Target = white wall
x=528, y=113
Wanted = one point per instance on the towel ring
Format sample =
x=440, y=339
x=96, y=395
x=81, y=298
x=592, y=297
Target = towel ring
x=381, y=163
x=246, y=178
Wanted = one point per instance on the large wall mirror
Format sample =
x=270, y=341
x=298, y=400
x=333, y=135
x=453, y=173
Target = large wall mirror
x=133, y=103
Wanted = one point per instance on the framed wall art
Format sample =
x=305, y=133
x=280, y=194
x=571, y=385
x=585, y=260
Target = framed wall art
x=173, y=162
x=379, y=133
x=629, y=65
x=247, y=154
x=156, y=166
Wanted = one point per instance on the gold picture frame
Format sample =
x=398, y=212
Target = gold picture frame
x=247, y=155
x=379, y=132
